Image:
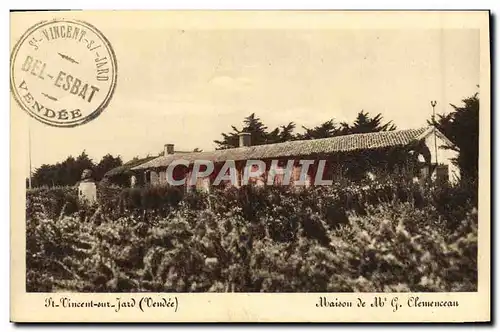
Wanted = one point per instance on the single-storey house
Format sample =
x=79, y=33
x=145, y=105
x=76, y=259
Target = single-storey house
x=124, y=175
x=421, y=154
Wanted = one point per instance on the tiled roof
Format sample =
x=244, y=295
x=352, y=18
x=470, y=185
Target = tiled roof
x=336, y=144
x=128, y=166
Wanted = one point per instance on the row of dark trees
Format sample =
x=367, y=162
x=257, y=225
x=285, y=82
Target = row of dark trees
x=68, y=172
x=461, y=126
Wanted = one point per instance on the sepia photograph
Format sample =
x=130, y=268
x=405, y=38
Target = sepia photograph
x=174, y=156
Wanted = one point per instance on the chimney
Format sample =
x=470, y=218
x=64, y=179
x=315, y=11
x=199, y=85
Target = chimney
x=168, y=149
x=245, y=139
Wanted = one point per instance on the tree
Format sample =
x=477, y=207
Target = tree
x=66, y=173
x=45, y=175
x=286, y=133
x=461, y=127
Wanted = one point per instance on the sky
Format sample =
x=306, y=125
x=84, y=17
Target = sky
x=188, y=85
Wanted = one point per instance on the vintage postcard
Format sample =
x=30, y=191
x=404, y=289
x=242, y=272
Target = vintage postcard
x=253, y=166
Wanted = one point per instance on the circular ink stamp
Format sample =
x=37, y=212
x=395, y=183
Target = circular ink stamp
x=63, y=72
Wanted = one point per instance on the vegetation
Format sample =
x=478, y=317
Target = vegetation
x=377, y=236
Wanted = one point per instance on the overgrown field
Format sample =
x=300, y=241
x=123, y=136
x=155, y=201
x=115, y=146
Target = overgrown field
x=372, y=237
